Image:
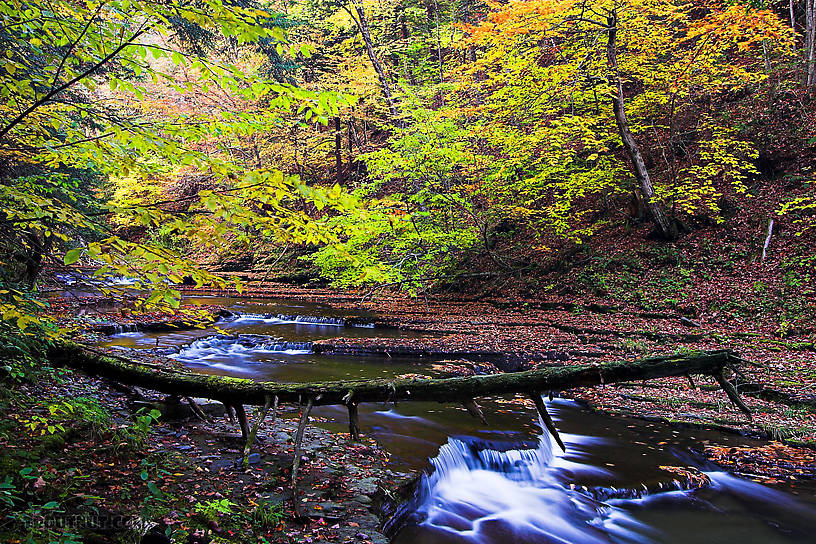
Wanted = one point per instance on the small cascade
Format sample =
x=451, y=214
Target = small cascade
x=314, y=320
x=124, y=328
x=514, y=464
x=363, y=325
x=243, y=346
x=284, y=319
x=482, y=493
x=120, y=281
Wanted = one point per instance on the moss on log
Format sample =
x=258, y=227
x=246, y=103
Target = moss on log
x=461, y=389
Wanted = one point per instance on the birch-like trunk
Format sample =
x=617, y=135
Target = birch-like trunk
x=665, y=227
x=365, y=32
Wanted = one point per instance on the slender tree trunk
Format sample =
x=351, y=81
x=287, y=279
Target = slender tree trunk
x=793, y=41
x=811, y=69
x=338, y=151
x=438, y=42
x=350, y=134
x=33, y=255
x=365, y=32
x=354, y=140
x=666, y=228
x=810, y=43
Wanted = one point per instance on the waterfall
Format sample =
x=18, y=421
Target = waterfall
x=478, y=492
x=243, y=346
x=284, y=319
x=521, y=465
x=125, y=328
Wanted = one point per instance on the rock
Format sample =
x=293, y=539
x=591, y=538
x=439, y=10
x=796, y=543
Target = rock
x=363, y=499
x=275, y=498
x=147, y=405
x=210, y=407
x=365, y=486
x=369, y=521
x=254, y=458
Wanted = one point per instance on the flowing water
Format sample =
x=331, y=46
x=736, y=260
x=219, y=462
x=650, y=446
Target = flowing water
x=506, y=482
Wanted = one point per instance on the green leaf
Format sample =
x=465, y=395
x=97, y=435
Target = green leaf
x=72, y=256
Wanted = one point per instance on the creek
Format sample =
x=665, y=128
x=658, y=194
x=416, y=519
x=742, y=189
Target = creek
x=506, y=482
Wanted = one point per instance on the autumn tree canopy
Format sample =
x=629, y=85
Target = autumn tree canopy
x=397, y=143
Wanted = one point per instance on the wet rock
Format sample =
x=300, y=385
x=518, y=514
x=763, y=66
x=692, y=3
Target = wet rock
x=676, y=479
x=365, y=486
x=254, y=458
x=275, y=498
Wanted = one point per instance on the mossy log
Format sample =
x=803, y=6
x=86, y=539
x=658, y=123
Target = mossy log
x=238, y=391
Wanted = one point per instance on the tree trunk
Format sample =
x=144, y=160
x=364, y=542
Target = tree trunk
x=365, y=32
x=793, y=41
x=810, y=43
x=665, y=227
x=338, y=151
x=353, y=138
x=438, y=43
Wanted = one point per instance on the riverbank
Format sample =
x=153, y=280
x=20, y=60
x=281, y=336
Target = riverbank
x=94, y=463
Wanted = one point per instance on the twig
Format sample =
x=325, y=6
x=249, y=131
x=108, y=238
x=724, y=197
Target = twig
x=304, y=419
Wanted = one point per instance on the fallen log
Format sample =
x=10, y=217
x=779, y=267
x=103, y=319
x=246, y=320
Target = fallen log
x=239, y=391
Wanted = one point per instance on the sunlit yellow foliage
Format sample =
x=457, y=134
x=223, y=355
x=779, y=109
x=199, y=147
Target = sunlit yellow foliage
x=539, y=98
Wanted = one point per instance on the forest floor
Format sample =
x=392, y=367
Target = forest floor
x=109, y=471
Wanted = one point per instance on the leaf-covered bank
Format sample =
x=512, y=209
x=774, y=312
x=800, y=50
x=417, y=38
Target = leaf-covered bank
x=84, y=462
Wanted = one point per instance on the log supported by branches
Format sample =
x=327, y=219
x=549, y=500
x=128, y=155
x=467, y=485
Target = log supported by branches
x=238, y=391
